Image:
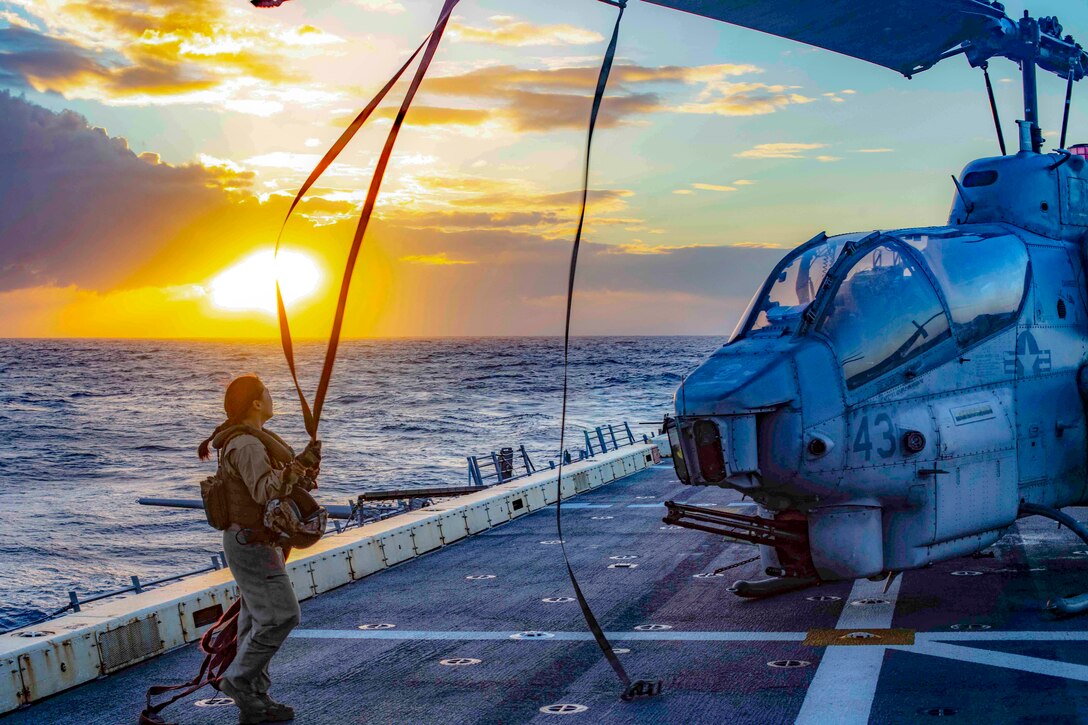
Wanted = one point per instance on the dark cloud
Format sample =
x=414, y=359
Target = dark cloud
x=559, y=98
x=28, y=57
x=134, y=51
x=80, y=207
x=517, y=285
x=31, y=60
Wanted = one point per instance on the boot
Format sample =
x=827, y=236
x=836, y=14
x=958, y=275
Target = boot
x=275, y=711
x=251, y=708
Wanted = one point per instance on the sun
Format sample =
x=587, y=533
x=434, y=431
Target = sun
x=250, y=284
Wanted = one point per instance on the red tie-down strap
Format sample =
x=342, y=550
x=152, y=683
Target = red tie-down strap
x=219, y=645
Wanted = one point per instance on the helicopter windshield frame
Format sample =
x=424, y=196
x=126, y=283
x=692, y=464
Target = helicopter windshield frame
x=852, y=254
x=823, y=307
x=759, y=302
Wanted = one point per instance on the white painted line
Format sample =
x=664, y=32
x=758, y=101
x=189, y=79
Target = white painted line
x=844, y=685
x=1022, y=663
x=666, y=636
x=997, y=636
x=923, y=640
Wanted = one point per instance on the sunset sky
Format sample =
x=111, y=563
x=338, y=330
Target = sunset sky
x=148, y=150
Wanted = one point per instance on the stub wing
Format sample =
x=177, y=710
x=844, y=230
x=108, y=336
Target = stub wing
x=907, y=36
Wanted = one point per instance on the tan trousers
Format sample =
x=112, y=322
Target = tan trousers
x=268, y=614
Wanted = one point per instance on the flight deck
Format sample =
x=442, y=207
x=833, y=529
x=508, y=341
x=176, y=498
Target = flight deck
x=487, y=631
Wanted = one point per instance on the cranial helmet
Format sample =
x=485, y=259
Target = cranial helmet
x=296, y=519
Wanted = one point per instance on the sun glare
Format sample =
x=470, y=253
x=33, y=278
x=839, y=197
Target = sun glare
x=251, y=283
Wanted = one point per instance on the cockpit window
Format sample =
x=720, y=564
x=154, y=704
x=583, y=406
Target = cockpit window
x=796, y=284
x=983, y=279
x=884, y=313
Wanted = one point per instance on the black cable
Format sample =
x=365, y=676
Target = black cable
x=1068, y=101
x=993, y=108
x=639, y=687
x=734, y=565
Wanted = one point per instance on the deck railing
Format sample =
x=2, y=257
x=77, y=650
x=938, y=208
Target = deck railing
x=75, y=603
x=608, y=437
x=495, y=468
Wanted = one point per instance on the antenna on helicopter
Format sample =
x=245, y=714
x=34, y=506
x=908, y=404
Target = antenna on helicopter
x=967, y=203
x=1068, y=101
x=993, y=110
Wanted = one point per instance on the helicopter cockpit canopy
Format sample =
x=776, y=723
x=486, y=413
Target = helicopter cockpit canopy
x=884, y=313
x=896, y=295
x=793, y=284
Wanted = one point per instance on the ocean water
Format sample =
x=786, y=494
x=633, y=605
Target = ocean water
x=88, y=426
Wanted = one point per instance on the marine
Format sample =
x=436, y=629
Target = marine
x=266, y=507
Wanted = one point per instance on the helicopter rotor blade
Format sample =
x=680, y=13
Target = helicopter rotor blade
x=907, y=36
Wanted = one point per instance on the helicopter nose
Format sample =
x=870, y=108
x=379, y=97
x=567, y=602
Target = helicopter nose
x=718, y=409
x=738, y=384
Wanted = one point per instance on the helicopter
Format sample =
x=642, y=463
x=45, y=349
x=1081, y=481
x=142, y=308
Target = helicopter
x=896, y=398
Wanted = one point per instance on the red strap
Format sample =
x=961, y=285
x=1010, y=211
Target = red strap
x=219, y=645
x=312, y=418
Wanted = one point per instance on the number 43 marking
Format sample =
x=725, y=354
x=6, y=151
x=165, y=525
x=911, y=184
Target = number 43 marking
x=863, y=443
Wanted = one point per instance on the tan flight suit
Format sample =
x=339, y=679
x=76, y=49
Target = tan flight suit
x=269, y=608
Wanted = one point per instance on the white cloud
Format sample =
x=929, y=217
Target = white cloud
x=390, y=7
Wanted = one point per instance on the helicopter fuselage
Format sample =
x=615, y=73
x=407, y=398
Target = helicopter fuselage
x=904, y=391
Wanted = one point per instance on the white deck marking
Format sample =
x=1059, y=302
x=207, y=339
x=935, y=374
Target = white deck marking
x=999, y=636
x=924, y=641
x=667, y=636
x=844, y=685
x=1037, y=665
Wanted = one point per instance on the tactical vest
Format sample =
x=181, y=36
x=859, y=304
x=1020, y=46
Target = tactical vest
x=243, y=510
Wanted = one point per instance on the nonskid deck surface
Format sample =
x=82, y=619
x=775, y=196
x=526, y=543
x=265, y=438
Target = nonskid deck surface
x=982, y=651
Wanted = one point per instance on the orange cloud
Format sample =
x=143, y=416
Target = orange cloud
x=559, y=98
x=743, y=99
x=98, y=241
x=438, y=116
x=506, y=30
x=132, y=53
x=780, y=150
x=437, y=260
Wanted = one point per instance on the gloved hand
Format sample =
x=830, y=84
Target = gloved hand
x=309, y=481
x=311, y=455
